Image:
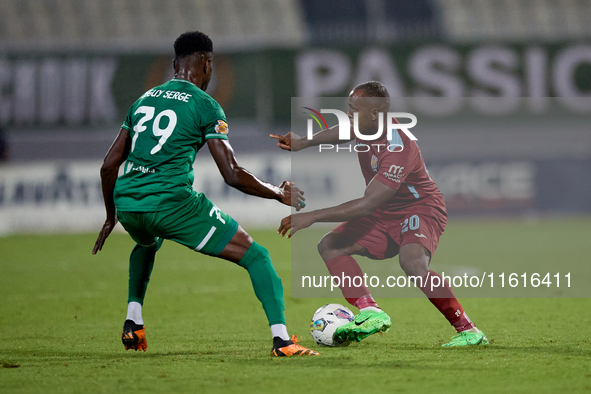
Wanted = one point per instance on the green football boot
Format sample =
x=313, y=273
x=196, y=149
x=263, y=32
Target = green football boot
x=366, y=323
x=469, y=337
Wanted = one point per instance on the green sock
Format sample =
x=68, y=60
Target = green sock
x=141, y=263
x=265, y=281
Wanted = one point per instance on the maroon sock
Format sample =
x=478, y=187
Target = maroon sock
x=442, y=296
x=346, y=269
x=364, y=302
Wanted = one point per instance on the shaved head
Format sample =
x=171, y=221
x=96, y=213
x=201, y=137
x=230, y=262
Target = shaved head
x=370, y=101
x=372, y=89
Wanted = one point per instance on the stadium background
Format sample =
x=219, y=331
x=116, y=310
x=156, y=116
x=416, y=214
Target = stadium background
x=70, y=69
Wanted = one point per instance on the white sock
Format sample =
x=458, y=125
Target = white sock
x=279, y=330
x=134, y=312
x=370, y=308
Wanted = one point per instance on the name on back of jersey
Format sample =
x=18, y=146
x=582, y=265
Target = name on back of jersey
x=168, y=94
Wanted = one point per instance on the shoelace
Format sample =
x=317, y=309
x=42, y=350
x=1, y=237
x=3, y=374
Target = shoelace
x=295, y=340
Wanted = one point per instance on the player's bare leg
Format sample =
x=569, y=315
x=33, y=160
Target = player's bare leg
x=414, y=260
x=268, y=288
x=336, y=249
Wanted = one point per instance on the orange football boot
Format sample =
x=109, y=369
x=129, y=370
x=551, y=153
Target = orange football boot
x=290, y=348
x=134, y=336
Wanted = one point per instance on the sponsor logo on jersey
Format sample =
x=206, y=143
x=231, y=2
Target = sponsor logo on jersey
x=145, y=170
x=420, y=235
x=374, y=163
x=221, y=127
x=394, y=173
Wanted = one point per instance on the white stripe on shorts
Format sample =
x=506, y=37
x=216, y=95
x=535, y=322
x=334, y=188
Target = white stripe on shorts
x=207, y=238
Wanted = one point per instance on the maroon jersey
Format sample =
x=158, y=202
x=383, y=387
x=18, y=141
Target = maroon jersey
x=401, y=167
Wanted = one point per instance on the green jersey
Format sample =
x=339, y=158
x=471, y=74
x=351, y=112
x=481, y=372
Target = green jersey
x=168, y=125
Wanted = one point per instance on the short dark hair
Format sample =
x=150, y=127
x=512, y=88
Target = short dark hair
x=373, y=89
x=191, y=42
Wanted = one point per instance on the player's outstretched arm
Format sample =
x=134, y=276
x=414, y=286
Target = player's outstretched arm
x=241, y=179
x=375, y=195
x=294, y=142
x=116, y=155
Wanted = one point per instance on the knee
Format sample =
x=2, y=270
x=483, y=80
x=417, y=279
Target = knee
x=154, y=245
x=336, y=244
x=326, y=248
x=414, y=265
x=255, y=254
x=323, y=246
x=262, y=252
x=414, y=259
x=259, y=263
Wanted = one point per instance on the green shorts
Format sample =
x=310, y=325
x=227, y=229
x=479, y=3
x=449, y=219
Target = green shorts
x=196, y=223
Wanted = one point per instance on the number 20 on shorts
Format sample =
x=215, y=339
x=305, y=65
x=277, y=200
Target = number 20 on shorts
x=410, y=223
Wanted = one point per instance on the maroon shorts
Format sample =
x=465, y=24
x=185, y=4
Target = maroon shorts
x=382, y=239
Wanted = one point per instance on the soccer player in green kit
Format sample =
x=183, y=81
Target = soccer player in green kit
x=154, y=198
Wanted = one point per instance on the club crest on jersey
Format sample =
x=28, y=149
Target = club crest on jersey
x=221, y=127
x=374, y=163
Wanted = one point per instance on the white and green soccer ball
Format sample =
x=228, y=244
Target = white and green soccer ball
x=325, y=322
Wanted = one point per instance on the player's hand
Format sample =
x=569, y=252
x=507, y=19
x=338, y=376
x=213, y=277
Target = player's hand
x=292, y=196
x=105, y=231
x=295, y=222
x=289, y=141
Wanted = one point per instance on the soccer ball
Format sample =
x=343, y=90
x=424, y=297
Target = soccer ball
x=325, y=322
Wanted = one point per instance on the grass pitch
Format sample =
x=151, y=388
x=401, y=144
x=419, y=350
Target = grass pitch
x=62, y=310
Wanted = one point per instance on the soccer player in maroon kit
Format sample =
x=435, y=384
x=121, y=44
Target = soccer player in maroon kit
x=401, y=213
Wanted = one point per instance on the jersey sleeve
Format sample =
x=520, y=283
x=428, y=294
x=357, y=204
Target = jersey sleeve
x=127, y=122
x=394, y=167
x=214, y=123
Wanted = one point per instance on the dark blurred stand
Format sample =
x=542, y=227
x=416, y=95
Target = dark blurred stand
x=3, y=146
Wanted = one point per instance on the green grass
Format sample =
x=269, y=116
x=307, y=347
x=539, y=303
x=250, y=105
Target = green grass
x=61, y=312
